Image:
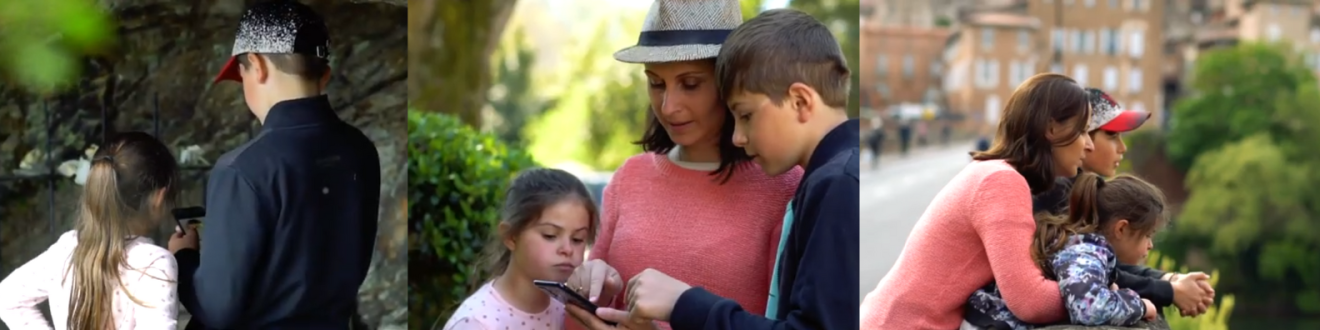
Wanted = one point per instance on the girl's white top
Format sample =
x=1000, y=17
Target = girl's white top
x=151, y=277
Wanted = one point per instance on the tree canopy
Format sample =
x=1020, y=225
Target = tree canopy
x=1247, y=138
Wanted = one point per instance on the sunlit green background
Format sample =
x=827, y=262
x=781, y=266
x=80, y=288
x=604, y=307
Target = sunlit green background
x=553, y=86
x=41, y=41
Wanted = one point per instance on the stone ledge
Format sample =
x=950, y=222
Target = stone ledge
x=1160, y=324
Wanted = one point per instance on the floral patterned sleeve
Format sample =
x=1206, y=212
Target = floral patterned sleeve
x=1084, y=267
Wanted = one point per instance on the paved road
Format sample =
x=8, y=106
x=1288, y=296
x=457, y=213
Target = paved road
x=893, y=197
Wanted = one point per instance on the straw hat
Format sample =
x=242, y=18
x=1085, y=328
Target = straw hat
x=683, y=30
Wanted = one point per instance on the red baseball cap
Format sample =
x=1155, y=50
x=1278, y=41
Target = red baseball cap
x=1107, y=115
x=277, y=27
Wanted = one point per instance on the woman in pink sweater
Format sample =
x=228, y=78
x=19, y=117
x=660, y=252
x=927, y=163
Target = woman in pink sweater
x=979, y=228
x=692, y=206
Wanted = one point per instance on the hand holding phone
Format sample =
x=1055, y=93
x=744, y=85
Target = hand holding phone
x=562, y=293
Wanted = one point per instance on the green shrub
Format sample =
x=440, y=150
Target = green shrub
x=1215, y=317
x=456, y=182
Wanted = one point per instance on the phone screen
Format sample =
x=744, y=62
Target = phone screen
x=562, y=293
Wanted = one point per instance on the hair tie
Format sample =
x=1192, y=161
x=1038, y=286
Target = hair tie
x=105, y=158
x=1099, y=182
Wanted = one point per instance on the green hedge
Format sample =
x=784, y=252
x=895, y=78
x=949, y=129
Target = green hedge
x=456, y=181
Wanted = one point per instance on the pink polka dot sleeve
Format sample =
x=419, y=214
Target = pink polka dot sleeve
x=153, y=280
x=27, y=286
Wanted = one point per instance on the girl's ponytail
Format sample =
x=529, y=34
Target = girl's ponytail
x=1053, y=230
x=127, y=179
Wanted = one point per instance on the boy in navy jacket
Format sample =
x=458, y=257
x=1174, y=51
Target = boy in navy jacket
x=786, y=82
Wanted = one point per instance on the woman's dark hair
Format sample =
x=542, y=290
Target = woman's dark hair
x=530, y=193
x=1094, y=204
x=1021, y=139
x=125, y=177
x=656, y=139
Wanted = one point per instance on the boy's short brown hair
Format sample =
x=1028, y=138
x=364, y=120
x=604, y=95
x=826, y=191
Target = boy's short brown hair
x=306, y=67
x=778, y=48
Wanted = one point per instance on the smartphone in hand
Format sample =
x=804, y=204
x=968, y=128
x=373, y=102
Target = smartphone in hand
x=565, y=295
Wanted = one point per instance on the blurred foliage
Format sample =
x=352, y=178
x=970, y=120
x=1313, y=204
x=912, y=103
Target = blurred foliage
x=602, y=107
x=1141, y=146
x=449, y=48
x=512, y=96
x=1215, y=317
x=1246, y=135
x=842, y=17
x=607, y=97
x=1238, y=92
x=456, y=182
x=42, y=41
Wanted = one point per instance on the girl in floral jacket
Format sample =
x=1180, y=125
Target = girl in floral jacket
x=1108, y=222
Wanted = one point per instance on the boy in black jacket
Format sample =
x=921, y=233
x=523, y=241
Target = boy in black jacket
x=291, y=214
x=786, y=82
x=1190, y=292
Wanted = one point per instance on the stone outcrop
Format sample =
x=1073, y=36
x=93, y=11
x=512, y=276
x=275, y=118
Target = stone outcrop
x=167, y=54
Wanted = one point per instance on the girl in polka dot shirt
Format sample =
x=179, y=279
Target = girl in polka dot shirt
x=547, y=220
x=105, y=274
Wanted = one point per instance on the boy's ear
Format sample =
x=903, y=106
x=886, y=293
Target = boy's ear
x=260, y=69
x=803, y=100
x=509, y=240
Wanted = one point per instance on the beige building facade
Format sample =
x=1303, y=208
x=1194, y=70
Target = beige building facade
x=1114, y=45
x=900, y=62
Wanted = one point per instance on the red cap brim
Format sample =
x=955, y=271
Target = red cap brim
x=230, y=71
x=1127, y=120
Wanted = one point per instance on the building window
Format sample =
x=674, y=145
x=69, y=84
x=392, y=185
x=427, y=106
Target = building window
x=1056, y=68
x=1111, y=78
x=1134, y=80
x=1024, y=40
x=1076, y=44
x=979, y=73
x=992, y=109
x=1088, y=42
x=1113, y=4
x=1014, y=71
x=1273, y=32
x=881, y=65
x=987, y=38
x=883, y=90
x=1057, y=37
x=1090, y=3
x=1079, y=74
x=1136, y=43
x=1111, y=45
x=987, y=73
x=935, y=68
x=908, y=66
x=1105, y=37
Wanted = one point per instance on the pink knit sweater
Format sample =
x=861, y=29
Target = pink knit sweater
x=977, y=229
x=682, y=223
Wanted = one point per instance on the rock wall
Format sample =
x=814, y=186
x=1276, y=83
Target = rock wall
x=167, y=55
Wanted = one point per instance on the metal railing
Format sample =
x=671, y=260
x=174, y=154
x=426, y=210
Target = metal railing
x=51, y=176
